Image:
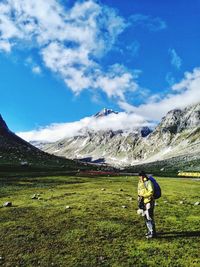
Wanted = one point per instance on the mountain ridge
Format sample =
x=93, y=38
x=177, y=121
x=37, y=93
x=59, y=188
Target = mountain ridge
x=177, y=132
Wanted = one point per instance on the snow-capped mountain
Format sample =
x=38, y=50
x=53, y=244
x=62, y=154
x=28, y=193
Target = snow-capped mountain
x=177, y=134
x=105, y=112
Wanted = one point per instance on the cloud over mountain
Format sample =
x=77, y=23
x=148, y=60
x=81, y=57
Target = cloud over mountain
x=183, y=94
x=54, y=132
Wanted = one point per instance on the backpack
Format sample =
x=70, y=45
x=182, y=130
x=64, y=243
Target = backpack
x=157, y=189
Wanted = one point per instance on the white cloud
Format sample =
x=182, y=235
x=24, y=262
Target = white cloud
x=5, y=46
x=176, y=61
x=151, y=23
x=54, y=132
x=184, y=93
x=133, y=48
x=36, y=70
x=69, y=40
x=170, y=78
x=117, y=81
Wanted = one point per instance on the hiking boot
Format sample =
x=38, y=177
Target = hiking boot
x=150, y=235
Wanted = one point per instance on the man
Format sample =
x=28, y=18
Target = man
x=146, y=202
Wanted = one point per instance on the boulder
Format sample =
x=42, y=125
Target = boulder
x=34, y=196
x=7, y=204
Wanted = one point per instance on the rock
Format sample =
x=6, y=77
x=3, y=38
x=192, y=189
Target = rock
x=101, y=259
x=40, y=198
x=36, y=196
x=131, y=198
x=103, y=189
x=24, y=163
x=197, y=203
x=124, y=207
x=7, y=204
x=181, y=202
x=145, y=131
x=67, y=207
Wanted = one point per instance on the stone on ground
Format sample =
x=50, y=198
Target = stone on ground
x=7, y=204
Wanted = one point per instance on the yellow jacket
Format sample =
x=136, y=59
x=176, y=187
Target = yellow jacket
x=146, y=190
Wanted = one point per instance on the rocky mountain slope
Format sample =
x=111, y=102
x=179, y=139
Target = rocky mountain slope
x=15, y=153
x=178, y=134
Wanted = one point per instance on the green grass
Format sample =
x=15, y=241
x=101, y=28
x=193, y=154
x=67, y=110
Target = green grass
x=96, y=231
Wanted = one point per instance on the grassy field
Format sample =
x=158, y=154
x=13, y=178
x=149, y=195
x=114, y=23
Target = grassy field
x=95, y=230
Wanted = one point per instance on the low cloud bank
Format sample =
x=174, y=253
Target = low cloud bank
x=57, y=131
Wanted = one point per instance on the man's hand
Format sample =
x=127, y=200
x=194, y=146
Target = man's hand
x=141, y=202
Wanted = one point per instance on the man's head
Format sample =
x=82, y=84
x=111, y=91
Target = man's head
x=142, y=175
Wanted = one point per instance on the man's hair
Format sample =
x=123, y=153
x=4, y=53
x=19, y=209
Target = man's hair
x=142, y=173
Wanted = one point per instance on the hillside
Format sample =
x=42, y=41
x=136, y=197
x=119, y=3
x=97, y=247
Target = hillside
x=17, y=154
x=168, y=167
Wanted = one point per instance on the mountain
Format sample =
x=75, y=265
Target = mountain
x=3, y=126
x=17, y=154
x=105, y=112
x=177, y=135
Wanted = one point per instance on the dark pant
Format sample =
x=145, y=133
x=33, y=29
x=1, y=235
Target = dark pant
x=149, y=217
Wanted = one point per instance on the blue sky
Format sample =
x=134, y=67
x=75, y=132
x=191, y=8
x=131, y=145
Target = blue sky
x=61, y=61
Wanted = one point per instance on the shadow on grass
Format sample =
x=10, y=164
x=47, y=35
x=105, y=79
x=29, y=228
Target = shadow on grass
x=175, y=234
